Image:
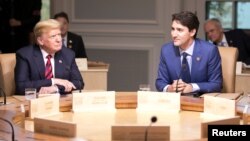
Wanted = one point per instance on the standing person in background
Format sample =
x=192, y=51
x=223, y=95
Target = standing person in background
x=234, y=38
x=47, y=66
x=3, y=20
x=20, y=16
x=188, y=64
x=70, y=40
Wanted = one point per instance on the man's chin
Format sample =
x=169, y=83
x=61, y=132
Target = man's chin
x=176, y=44
x=58, y=49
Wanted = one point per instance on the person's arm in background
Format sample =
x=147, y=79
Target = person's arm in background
x=31, y=19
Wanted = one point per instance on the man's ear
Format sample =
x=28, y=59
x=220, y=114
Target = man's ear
x=193, y=32
x=39, y=41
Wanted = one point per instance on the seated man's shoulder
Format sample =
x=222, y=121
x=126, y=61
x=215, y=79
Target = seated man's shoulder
x=235, y=31
x=73, y=34
x=204, y=42
x=67, y=51
x=26, y=49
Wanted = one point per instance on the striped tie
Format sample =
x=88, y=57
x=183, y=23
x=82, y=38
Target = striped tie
x=48, y=69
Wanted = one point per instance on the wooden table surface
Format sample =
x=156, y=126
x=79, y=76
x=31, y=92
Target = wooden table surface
x=96, y=126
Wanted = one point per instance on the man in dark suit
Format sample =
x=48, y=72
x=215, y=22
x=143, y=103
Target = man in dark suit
x=47, y=66
x=234, y=38
x=71, y=40
x=200, y=72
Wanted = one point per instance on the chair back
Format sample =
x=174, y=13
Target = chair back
x=7, y=66
x=229, y=56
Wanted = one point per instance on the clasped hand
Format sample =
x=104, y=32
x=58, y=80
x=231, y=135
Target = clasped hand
x=180, y=86
x=69, y=86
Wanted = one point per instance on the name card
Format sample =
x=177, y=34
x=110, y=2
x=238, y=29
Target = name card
x=239, y=67
x=44, y=106
x=219, y=106
x=137, y=133
x=82, y=64
x=154, y=101
x=61, y=128
x=93, y=101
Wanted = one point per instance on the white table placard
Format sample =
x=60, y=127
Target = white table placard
x=82, y=64
x=158, y=101
x=219, y=106
x=93, y=101
x=239, y=67
x=44, y=106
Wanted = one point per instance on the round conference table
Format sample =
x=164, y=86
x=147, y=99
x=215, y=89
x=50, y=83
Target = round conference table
x=96, y=126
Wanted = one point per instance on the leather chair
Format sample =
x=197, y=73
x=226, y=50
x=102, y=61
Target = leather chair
x=229, y=56
x=7, y=65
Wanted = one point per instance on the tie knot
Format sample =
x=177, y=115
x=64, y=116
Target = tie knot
x=184, y=54
x=49, y=56
x=222, y=44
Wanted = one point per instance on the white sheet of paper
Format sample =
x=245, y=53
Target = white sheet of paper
x=93, y=101
x=219, y=106
x=82, y=64
x=158, y=101
x=44, y=106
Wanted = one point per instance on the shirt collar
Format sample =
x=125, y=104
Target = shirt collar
x=224, y=40
x=189, y=51
x=45, y=54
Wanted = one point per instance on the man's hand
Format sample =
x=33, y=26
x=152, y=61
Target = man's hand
x=69, y=86
x=15, y=23
x=180, y=86
x=188, y=89
x=177, y=85
x=48, y=90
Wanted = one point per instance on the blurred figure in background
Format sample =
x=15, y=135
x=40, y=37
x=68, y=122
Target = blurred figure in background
x=17, y=19
x=70, y=40
x=234, y=38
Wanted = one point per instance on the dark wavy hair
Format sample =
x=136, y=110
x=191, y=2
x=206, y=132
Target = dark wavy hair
x=187, y=19
x=61, y=14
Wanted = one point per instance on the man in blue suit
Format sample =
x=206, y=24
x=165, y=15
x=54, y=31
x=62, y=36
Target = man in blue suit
x=203, y=60
x=47, y=66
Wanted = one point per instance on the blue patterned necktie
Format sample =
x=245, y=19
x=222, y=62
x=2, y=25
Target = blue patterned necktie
x=185, y=71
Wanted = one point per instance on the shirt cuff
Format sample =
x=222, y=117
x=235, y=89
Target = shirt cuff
x=52, y=81
x=165, y=89
x=195, y=87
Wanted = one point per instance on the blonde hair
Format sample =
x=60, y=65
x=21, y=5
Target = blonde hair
x=45, y=26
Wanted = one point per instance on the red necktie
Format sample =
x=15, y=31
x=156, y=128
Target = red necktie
x=48, y=68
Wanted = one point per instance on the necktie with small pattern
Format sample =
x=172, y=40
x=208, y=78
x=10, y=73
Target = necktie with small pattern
x=185, y=74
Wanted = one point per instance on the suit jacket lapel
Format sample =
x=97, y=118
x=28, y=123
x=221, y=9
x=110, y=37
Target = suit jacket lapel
x=177, y=61
x=38, y=57
x=229, y=39
x=59, y=65
x=69, y=40
x=196, y=60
